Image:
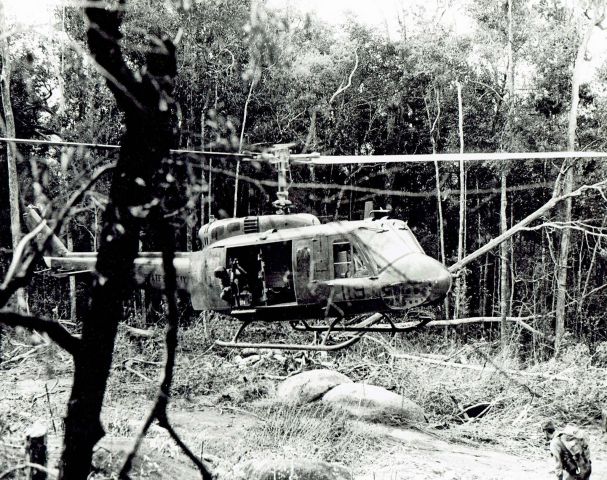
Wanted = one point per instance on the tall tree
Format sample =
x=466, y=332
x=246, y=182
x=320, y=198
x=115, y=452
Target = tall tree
x=505, y=246
x=460, y=287
x=11, y=149
x=596, y=14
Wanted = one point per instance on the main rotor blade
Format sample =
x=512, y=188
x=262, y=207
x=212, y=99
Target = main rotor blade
x=440, y=157
x=105, y=146
x=317, y=159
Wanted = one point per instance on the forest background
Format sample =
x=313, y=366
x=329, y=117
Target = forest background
x=519, y=77
x=278, y=76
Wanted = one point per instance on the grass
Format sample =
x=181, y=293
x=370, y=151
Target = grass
x=316, y=431
x=520, y=403
x=207, y=376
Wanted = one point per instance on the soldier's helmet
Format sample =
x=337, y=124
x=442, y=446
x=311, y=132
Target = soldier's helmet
x=548, y=427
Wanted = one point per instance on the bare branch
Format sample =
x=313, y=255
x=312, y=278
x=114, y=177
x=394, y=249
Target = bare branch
x=479, y=368
x=343, y=88
x=29, y=251
x=465, y=321
x=553, y=202
x=53, y=329
x=573, y=225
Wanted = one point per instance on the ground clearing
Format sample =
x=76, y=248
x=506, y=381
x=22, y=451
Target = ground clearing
x=233, y=433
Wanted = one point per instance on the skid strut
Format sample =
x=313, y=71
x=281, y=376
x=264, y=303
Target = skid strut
x=303, y=326
x=362, y=329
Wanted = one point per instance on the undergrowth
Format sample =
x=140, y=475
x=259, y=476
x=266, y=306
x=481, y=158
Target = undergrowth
x=569, y=389
x=316, y=430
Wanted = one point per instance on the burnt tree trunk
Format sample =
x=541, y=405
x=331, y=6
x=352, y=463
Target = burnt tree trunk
x=36, y=451
x=145, y=99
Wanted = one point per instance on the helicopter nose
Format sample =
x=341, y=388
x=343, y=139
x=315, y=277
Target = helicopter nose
x=441, y=283
x=420, y=279
x=424, y=270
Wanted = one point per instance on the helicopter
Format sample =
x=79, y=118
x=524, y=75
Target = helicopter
x=337, y=278
x=342, y=277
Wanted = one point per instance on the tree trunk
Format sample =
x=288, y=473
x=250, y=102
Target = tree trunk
x=244, y=122
x=460, y=285
x=504, y=264
x=11, y=148
x=73, y=297
x=566, y=188
x=205, y=196
x=144, y=97
x=439, y=203
x=504, y=247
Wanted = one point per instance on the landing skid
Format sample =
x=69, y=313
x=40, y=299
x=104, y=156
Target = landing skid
x=370, y=324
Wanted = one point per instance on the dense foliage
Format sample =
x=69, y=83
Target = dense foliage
x=348, y=89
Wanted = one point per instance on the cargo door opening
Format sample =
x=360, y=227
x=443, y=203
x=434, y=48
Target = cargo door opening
x=258, y=275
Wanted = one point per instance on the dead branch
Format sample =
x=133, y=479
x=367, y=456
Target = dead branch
x=342, y=88
x=145, y=362
x=465, y=321
x=553, y=202
x=573, y=225
x=139, y=332
x=478, y=368
x=56, y=332
x=25, y=355
x=127, y=366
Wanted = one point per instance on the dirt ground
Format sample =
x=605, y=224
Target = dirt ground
x=225, y=432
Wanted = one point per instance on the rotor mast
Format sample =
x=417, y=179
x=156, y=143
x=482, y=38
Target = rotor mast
x=281, y=159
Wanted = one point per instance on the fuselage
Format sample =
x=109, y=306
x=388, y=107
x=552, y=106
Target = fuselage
x=336, y=269
x=291, y=266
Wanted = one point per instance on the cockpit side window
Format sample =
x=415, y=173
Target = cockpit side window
x=406, y=235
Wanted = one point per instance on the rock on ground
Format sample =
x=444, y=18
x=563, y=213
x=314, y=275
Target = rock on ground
x=309, y=386
x=374, y=403
x=283, y=469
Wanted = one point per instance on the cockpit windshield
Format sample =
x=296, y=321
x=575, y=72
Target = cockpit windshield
x=388, y=241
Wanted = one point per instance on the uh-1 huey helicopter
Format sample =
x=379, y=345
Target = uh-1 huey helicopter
x=288, y=267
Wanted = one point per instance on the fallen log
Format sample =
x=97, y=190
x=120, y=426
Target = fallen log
x=479, y=368
x=138, y=332
x=465, y=321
